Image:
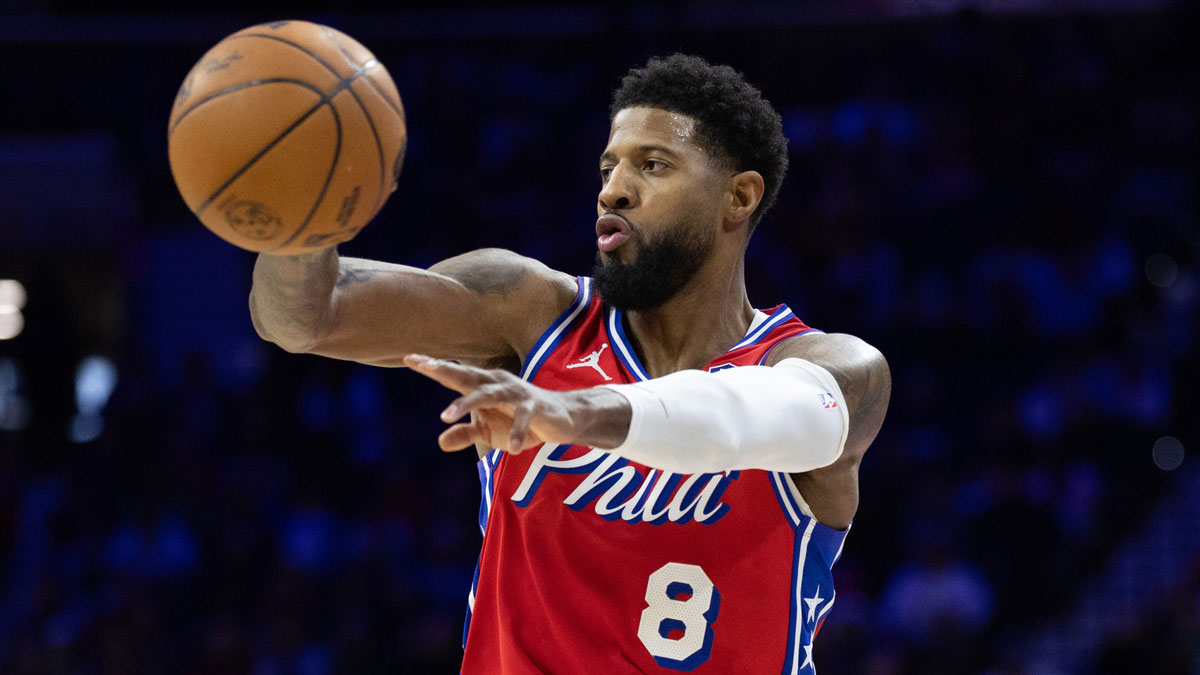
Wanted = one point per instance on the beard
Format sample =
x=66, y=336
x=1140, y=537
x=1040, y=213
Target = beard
x=661, y=269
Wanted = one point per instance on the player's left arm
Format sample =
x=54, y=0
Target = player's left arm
x=793, y=415
x=865, y=380
x=861, y=373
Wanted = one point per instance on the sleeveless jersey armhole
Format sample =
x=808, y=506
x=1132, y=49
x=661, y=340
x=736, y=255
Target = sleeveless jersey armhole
x=555, y=332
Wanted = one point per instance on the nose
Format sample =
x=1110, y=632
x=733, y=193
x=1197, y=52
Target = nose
x=619, y=192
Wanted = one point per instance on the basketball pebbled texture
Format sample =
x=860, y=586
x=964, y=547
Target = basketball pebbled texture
x=287, y=137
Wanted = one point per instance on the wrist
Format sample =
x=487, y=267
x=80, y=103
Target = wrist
x=601, y=417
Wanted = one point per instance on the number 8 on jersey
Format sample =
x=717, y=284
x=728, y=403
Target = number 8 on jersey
x=665, y=612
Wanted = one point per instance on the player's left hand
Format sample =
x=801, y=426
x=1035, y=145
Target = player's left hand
x=513, y=415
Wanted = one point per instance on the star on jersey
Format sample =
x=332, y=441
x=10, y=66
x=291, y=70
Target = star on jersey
x=593, y=361
x=812, y=603
x=807, y=655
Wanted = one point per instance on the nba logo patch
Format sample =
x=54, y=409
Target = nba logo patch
x=827, y=400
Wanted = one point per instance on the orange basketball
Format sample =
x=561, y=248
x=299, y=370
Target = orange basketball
x=287, y=137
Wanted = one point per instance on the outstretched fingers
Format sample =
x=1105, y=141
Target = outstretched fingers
x=449, y=374
x=486, y=396
x=504, y=408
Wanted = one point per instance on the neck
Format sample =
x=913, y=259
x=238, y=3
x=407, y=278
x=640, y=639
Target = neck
x=706, y=318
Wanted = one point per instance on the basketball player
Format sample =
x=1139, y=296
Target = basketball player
x=668, y=473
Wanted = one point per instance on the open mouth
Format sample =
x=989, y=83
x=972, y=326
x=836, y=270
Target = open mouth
x=612, y=230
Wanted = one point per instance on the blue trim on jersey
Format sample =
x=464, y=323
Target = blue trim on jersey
x=467, y=621
x=624, y=348
x=487, y=487
x=615, y=326
x=817, y=549
x=556, y=331
x=807, y=577
x=471, y=601
x=484, y=502
x=781, y=494
x=791, y=633
x=487, y=470
x=828, y=606
x=829, y=540
x=783, y=313
x=841, y=546
x=786, y=485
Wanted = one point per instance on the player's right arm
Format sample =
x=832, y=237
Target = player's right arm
x=486, y=307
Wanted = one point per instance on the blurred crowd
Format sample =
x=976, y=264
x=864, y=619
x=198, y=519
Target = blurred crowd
x=1006, y=207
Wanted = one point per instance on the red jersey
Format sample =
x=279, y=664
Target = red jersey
x=592, y=563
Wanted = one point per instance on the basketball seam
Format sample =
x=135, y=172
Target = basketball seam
x=378, y=151
x=370, y=122
x=237, y=88
x=395, y=108
x=359, y=70
x=296, y=45
x=246, y=167
x=337, y=153
x=383, y=95
x=259, y=155
x=343, y=84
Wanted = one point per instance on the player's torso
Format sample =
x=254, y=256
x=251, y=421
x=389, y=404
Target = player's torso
x=594, y=564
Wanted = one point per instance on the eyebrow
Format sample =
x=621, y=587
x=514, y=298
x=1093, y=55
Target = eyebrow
x=642, y=149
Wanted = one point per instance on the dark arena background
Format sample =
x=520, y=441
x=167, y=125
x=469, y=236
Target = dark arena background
x=1002, y=196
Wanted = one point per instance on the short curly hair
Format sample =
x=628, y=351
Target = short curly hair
x=735, y=125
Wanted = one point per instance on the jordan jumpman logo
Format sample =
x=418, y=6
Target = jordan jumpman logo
x=593, y=360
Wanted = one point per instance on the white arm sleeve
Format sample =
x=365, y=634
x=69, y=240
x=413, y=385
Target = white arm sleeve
x=789, y=417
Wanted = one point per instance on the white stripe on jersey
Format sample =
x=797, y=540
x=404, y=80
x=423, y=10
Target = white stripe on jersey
x=630, y=360
x=584, y=299
x=828, y=606
x=838, y=556
x=487, y=490
x=799, y=594
x=779, y=479
x=766, y=327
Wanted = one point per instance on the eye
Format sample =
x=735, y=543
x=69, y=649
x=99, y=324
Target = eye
x=605, y=172
x=654, y=165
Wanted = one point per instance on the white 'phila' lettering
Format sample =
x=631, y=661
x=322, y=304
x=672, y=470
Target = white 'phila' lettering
x=620, y=490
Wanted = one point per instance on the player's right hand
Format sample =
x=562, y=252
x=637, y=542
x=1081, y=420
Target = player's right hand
x=513, y=415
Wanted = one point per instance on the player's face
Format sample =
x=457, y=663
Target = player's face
x=658, y=207
x=653, y=175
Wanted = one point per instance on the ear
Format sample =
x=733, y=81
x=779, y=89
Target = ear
x=745, y=192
